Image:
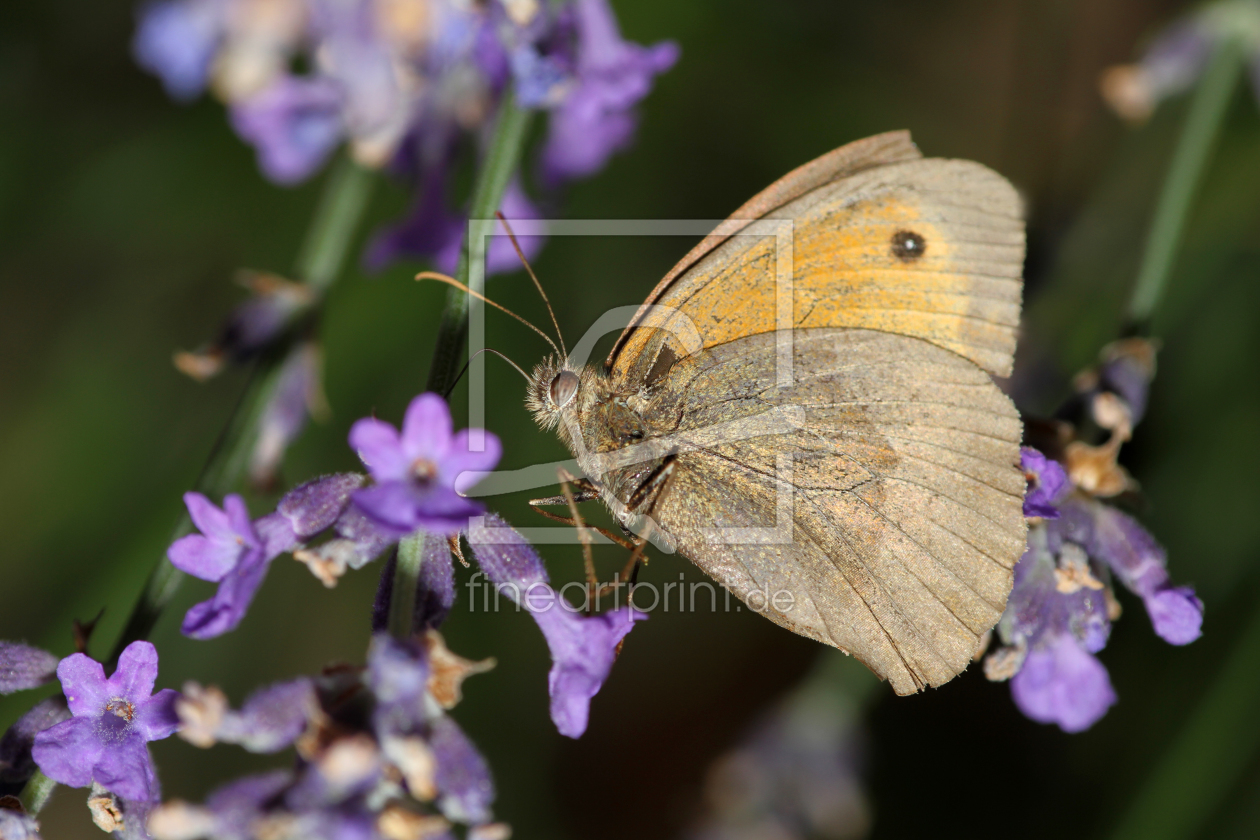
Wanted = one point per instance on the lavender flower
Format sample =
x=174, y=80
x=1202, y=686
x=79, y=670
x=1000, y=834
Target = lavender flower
x=1177, y=56
x=1137, y=561
x=273, y=305
x=16, y=764
x=297, y=394
x=1055, y=620
x=15, y=825
x=113, y=720
x=294, y=123
x=1046, y=482
x=613, y=75
x=400, y=83
x=582, y=647
x=176, y=41
x=420, y=472
x=270, y=720
x=433, y=232
x=1060, y=610
x=465, y=789
x=230, y=812
x=23, y=667
x=227, y=537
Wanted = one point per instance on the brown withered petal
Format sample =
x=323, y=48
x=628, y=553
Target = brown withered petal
x=1112, y=413
x=1094, y=468
x=1073, y=573
x=490, y=831
x=415, y=761
x=983, y=646
x=447, y=671
x=200, y=366
x=177, y=820
x=1004, y=662
x=106, y=813
x=399, y=823
x=1127, y=90
x=201, y=710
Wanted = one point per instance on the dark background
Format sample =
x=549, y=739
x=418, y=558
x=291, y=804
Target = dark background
x=123, y=217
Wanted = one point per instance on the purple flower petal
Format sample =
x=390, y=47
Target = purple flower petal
x=294, y=123
x=126, y=768
x=465, y=789
x=380, y=449
x=405, y=507
x=136, y=673
x=16, y=764
x=156, y=718
x=1177, y=615
x=316, y=505
x=176, y=41
x=1046, y=484
x=83, y=681
x=1062, y=684
x=461, y=466
x=613, y=75
x=277, y=536
x=426, y=430
x=272, y=718
x=582, y=651
x=226, y=536
x=582, y=648
x=17, y=826
x=227, y=608
x=68, y=751
x=23, y=667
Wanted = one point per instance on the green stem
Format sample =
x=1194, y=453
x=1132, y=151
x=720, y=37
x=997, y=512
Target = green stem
x=36, y=793
x=501, y=161
x=1208, y=756
x=1198, y=136
x=336, y=218
x=402, y=603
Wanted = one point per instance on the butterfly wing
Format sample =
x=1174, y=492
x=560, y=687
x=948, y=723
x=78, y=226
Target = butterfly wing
x=873, y=290
x=927, y=248
x=891, y=517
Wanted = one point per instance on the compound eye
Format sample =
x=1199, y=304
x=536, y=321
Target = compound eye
x=563, y=387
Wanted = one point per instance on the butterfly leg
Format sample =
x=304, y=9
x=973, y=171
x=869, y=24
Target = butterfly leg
x=643, y=501
x=584, y=491
x=584, y=536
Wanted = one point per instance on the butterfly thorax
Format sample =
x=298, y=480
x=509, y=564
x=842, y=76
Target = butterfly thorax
x=599, y=425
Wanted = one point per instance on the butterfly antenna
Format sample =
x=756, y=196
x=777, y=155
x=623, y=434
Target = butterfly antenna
x=451, y=281
x=464, y=369
x=532, y=276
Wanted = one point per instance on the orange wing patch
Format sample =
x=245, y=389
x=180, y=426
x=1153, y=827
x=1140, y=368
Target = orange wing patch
x=931, y=249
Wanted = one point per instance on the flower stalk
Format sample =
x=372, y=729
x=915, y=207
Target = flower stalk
x=323, y=253
x=501, y=161
x=1208, y=107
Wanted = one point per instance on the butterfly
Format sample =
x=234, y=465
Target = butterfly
x=804, y=407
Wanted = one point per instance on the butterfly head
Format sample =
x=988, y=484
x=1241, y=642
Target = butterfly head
x=554, y=390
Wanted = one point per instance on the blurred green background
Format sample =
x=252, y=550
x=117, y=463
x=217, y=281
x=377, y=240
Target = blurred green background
x=123, y=217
